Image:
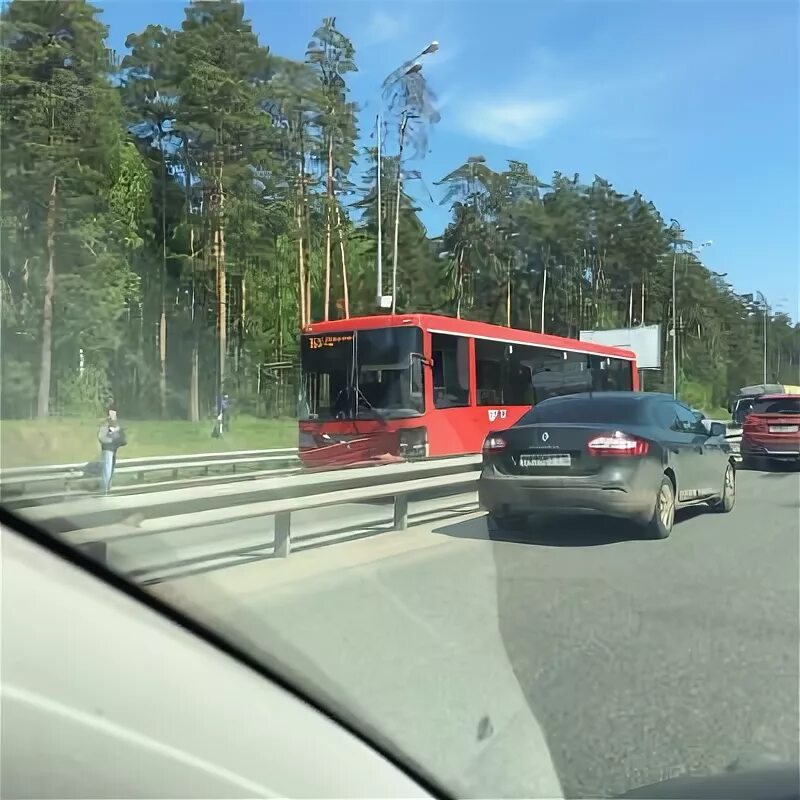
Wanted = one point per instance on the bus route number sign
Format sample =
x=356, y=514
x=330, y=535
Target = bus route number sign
x=318, y=342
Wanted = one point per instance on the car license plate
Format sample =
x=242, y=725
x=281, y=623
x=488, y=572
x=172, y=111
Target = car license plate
x=549, y=460
x=783, y=428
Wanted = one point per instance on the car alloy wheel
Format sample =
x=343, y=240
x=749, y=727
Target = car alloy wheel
x=728, y=499
x=666, y=505
x=660, y=524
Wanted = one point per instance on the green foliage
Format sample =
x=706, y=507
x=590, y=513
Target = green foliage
x=206, y=160
x=17, y=388
x=128, y=194
x=84, y=394
x=61, y=155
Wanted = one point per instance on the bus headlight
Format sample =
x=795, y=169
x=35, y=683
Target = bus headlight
x=413, y=442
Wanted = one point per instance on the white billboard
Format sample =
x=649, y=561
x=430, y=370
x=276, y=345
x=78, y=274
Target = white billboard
x=644, y=341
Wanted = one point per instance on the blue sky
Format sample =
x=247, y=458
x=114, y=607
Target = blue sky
x=692, y=102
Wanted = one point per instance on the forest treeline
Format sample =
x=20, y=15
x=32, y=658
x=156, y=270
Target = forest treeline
x=172, y=217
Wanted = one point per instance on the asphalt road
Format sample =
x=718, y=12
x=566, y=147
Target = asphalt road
x=661, y=657
x=641, y=660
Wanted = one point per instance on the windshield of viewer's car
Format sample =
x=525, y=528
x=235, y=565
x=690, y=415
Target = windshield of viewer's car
x=278, y=277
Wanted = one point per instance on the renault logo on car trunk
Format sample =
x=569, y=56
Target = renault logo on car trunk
x=545, y=436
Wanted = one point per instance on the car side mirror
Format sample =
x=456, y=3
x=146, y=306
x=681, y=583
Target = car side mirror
x=717, y=429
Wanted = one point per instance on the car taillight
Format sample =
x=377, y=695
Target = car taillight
x=494, y=444
x=617, y=444
x=754, y=423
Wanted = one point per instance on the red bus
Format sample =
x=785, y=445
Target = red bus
x=418, y=385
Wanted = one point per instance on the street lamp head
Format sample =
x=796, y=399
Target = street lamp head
x=415, y=67
x=431, y=48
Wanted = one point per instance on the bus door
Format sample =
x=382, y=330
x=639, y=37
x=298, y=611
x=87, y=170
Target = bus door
x=452, y=416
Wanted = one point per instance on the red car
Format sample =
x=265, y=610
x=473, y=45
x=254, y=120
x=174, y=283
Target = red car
x=772, y=430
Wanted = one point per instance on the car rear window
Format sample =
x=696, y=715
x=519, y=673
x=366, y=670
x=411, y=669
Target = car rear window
x=589, y=409
x=780, y=405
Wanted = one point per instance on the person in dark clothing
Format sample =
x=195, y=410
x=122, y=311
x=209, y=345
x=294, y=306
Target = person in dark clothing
x=223, y=420
x=111, y=437
x=225, y=411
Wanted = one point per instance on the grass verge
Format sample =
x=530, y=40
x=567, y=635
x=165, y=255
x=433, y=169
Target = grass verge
x=61, y=440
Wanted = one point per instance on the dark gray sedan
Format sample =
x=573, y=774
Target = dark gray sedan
x=631, y=455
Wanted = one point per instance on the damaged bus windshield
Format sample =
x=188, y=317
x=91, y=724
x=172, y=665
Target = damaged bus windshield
x=366, y=374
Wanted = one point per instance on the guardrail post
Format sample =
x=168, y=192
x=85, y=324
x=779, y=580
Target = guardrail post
x=283, y=534
x=400, y=512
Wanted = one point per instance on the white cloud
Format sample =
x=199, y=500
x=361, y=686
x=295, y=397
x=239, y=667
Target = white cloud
x=511, y=121
x=381, y=27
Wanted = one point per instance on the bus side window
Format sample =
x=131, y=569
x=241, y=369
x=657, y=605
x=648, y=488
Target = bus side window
x=450, y=380
x=621, y=373
x=558, y=372
x=610, y=374
x=490, y=372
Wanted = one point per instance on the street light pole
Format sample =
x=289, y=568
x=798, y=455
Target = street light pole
x=544, y=294
x=408, y=68
x=397, y=212
x=380, y=215
x=766, y=312
x=696, y=251
x=765, y=341
x=674, y=330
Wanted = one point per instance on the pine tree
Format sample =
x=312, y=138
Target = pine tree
x=332, y=55
x=61, y=139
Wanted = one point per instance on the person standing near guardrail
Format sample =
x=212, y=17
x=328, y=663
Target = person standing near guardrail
x=223, y=420
x=111, y=437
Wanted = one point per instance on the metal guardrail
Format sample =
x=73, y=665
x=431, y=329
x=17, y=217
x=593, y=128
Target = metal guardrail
x=95, y=523
x=18, y=478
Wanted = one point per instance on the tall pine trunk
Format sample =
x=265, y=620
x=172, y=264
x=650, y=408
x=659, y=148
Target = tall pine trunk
x=303, y=270
x=162, y=320
x=194, y=377
x=222, y=288
x=43, y=405
x=460, y=282
x=194, y=364
x=162, y=353
x=328, y=226
x=301, y=266
x=306, y=222
x=345, y=288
